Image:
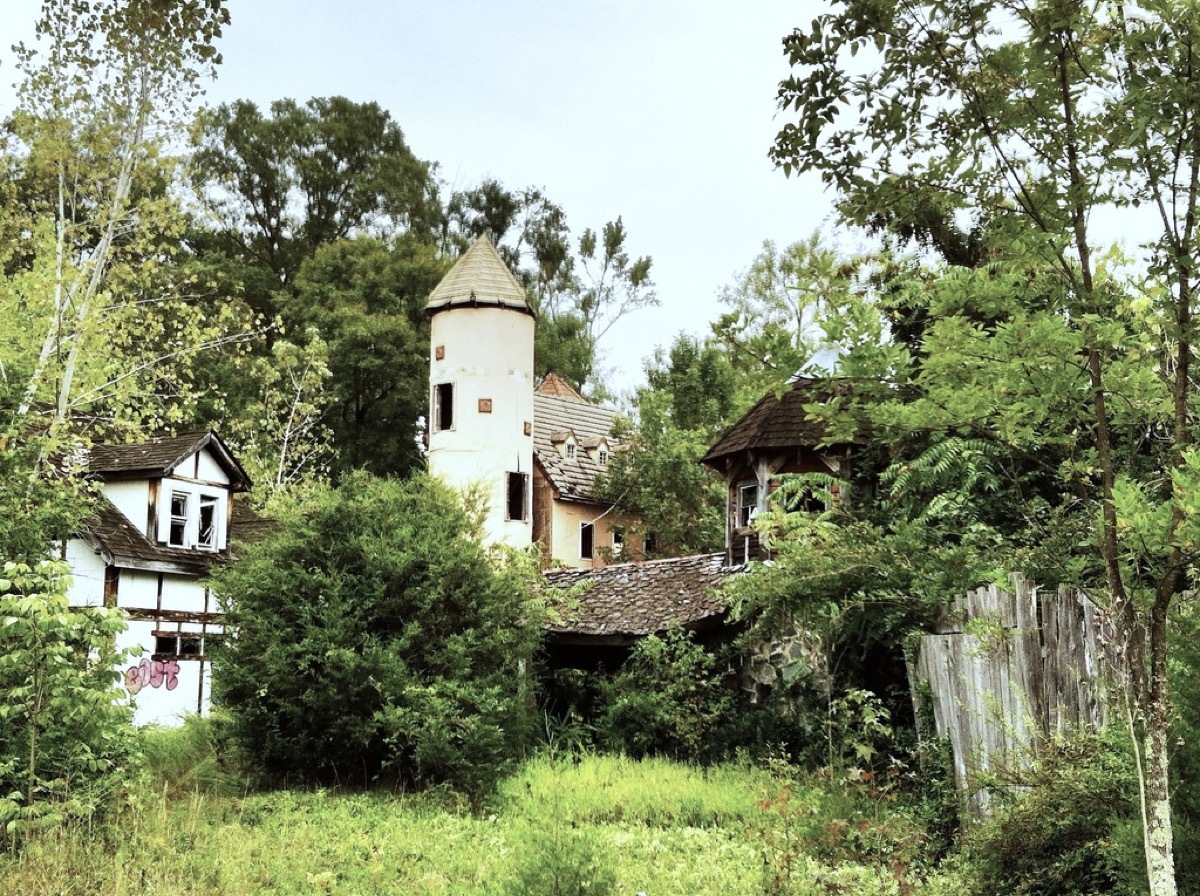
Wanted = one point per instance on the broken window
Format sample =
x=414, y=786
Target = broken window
x=518, y=496
x=208, y=523
x=747, y=504
x=443, y=406
x=587, y=538
x=618, y=542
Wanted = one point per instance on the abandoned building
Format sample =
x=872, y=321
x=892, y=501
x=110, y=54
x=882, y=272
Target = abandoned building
x=165, y=513
x=531, y=450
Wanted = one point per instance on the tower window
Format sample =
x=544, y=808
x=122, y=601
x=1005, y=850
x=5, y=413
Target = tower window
x=518, y=496
x=587, y=538
x=747, y=504
x=443, y=406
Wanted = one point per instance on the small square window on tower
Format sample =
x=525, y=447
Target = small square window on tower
x=485, y=405
x=439, y=353
x=443, y=406
x=528, y=428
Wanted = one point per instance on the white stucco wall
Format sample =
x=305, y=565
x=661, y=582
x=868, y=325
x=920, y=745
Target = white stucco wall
x=132, y=498
x=487, y=354
x=568, y=516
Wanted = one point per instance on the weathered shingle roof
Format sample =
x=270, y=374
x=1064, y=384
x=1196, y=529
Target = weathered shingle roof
x=634, y=599
x=572, y=478
x=774, y=422
x=555, y=386
x=160, y=456
x=479, y=277
x=120, y=542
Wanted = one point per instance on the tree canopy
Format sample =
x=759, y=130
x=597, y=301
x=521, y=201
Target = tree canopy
x=1001, y=134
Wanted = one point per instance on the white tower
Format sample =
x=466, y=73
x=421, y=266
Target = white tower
x=481, y=390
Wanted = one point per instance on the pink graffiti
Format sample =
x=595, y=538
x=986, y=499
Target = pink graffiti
x=153, y=673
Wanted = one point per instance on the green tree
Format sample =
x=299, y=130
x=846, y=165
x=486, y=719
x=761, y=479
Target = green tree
x=66, y=736
x=366, y=300
x=373, y=638
x=1035, y=119
x=96, y=223
x=689, y=398
x=275, y=187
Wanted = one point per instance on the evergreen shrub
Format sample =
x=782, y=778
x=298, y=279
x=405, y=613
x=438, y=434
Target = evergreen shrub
x=373, y=640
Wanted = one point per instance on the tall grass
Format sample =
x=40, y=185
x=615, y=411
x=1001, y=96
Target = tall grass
x=601, y=825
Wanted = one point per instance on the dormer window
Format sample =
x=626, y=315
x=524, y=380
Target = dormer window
x=570, y=450
x=207, y=537
x=602, y=457
x=193, y=518
x=177, y=536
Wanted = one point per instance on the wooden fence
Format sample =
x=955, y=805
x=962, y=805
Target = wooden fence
x=1005, y=670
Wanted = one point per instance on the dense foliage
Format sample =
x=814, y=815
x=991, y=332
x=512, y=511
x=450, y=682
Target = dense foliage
x=373, y=639
x=65, y=735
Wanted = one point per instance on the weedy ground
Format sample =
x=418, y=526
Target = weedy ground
x=586, y=826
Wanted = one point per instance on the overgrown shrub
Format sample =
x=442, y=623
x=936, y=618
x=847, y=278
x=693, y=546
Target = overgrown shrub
x=669, y=699
x=65, y=734
x=373, y=639
x=1064, y=830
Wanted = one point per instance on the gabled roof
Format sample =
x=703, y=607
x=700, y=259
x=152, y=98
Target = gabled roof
x=572, y=478
x=122, y=544
x=159, y=457
x=775, y=422
x=629, y=600
x=479, y=277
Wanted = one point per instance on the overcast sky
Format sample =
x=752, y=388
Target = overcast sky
x=660, y=112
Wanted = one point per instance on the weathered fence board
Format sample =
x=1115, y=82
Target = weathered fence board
x=1008, y=669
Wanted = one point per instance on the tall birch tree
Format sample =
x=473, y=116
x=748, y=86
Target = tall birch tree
x=105, y=86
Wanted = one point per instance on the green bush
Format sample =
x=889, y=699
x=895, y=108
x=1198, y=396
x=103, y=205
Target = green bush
x=1065, y=831
x=374, y=640
x=669, y=699
x=65, y=736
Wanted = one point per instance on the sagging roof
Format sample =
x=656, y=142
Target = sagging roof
x=121, y=543
x=631, y=600
x=776, y=421
x=159, y=457
x=479, y=278
x=573, y=479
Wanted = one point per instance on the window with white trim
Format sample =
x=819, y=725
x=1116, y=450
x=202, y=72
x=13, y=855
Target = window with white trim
x=443, y=406
x=206, y=537
x=747, y=505
x=192, y=516
x=177, y=533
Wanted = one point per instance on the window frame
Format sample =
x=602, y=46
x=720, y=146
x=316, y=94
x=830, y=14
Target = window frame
x=523, y=478
x=587, y=541
x=181, y=521
x=746, y=511
x=443, y=407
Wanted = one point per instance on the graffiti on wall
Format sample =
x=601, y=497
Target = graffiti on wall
x=152, y=673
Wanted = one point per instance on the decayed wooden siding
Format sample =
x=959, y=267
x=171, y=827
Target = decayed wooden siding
x=1007, y=669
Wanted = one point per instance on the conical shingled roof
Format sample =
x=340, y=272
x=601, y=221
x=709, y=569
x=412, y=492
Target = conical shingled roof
x=480, y=277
